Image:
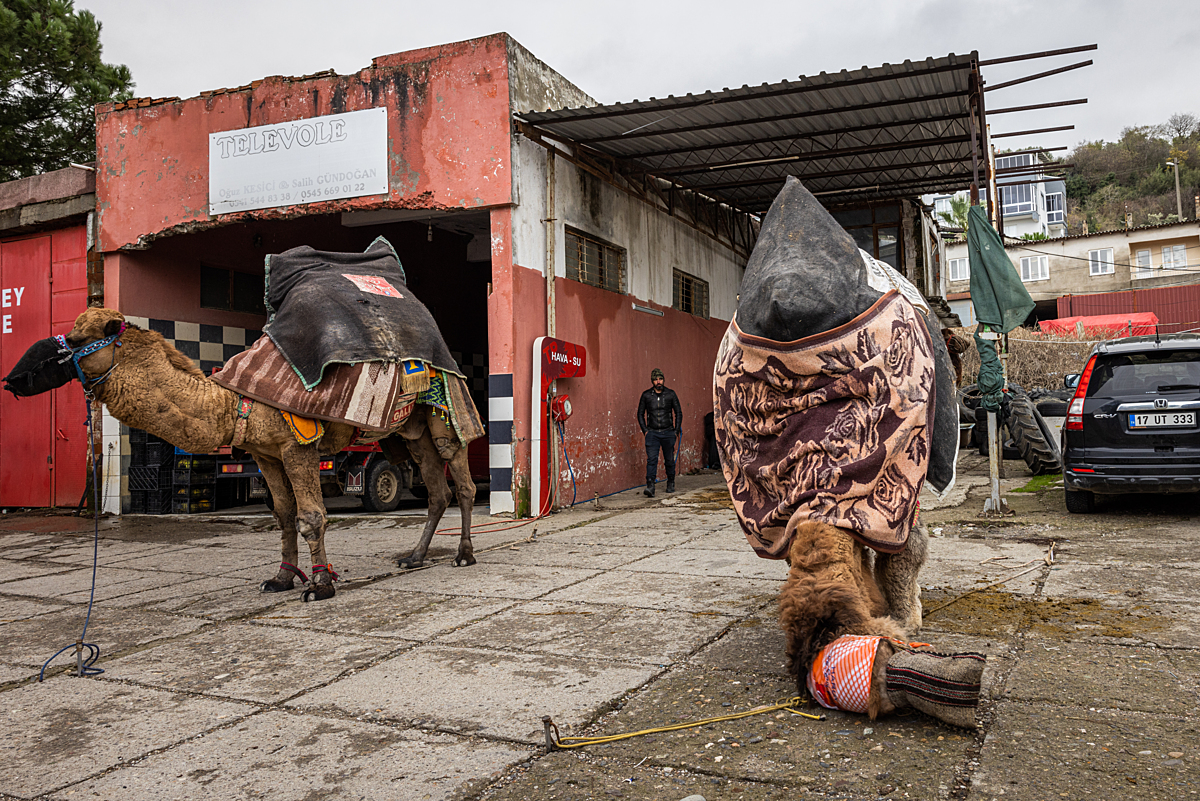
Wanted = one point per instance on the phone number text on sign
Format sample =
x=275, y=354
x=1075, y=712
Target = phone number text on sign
x=305, y=161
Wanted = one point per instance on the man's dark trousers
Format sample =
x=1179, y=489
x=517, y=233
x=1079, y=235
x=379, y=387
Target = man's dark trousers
x=664, y=439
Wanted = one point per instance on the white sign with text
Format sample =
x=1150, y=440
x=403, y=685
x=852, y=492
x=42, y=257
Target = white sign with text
x=323, y=158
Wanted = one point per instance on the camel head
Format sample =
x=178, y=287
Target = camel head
x=93, y=325
x=49, y=363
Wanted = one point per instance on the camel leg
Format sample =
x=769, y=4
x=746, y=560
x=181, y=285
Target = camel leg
x=302, y=464
x=464, y=488
x=897, y=574
x=285, y=516
x=433, y=472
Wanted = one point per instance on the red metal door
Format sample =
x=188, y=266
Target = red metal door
x=68, y=301
x=25, y=423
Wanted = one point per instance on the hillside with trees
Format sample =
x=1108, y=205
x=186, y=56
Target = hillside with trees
x=1131, y=175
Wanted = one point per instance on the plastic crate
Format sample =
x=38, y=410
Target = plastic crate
x=195, y=464
x=148, y=478
x=194, y=491
x=186, y=506
x=150, y=502
x=183, y=478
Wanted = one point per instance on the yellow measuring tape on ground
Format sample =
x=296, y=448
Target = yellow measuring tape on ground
x=554, y=741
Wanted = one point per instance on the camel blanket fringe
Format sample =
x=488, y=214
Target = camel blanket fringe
x=833, y=427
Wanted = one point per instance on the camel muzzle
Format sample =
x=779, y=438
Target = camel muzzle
x=47, y=365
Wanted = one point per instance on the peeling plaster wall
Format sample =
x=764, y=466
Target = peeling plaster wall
x=448, y=129
x=605, y=445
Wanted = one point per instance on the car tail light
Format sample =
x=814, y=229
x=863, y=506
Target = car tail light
x=1075, y=410
x=326, y=464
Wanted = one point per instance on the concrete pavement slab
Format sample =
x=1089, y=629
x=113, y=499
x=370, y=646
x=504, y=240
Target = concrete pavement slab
x=846, y=754
x=686, y=560
x=109, y=552
x=13, y=608
x=1053, y=751
x=70, y=585
x=634, y=535
x=114, y=631
x=552, y=553
x=19, y=569
x=217, y=598
x=212, y=559
x=1108, y=676
x=477, y=691
x=1159, y=583
x=374, y=612
x=593, y=631
x=249, y=662
x=754, y=645
x=276, y=755
x=67, y=729
x=485, y=580
x=166, y=590
x=722, y=595
x=17, y=672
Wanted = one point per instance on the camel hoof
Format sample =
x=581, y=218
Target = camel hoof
x=464, y=561
x=318, y=593
x=409, y=562
x=274, y=585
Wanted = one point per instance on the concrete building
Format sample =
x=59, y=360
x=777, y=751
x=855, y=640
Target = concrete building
x=532, y=222
x=1145, y=257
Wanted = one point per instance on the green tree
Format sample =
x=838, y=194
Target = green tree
x=957, y=216
x=51, y=77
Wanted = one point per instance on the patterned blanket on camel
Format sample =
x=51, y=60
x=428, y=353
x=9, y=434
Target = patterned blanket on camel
x=833, y=427
x=375, y=396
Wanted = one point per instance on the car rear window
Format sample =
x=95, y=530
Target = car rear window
x=1125, y=374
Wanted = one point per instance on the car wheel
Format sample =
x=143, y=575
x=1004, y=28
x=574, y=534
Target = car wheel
x=1033, y=445
x=1080, y=502
x=381, y=493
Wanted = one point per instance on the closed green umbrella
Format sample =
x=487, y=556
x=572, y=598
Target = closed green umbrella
x=1000, y=299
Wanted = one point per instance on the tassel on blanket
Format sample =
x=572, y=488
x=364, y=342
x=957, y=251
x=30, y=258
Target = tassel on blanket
x=414, y=376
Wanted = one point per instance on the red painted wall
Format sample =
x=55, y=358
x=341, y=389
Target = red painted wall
x=448, y=129
x=43, y=439
x=603, y=440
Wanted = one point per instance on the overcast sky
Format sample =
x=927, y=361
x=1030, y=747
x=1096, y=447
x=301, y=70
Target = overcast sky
x=1146, y=67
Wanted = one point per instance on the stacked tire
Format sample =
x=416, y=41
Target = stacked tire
x=1031, y=435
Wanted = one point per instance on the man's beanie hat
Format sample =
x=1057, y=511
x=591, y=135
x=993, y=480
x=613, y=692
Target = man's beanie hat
x=656, y=373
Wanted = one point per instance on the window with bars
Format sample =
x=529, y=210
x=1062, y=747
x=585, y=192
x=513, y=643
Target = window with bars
x=1100, y=262
x=591, y=261
x=960, y=269
x=1035, y=268
x=1019, y=160
x=690, y=294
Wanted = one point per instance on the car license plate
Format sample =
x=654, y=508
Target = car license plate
x=1162, y=419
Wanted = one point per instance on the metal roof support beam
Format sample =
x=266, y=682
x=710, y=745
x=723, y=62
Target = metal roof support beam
x=835, y=174
x=789, y=89
x=649, y=154
x=909, y=186
x=1031, y=170
x=1033, y=131
x=1044, y=54
x=1031, y=150
x=759, y=120
x=1046, y=74
x=1038, y=105
x=814, y=155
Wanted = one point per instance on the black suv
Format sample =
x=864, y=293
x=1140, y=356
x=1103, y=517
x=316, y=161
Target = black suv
x=1132, y=425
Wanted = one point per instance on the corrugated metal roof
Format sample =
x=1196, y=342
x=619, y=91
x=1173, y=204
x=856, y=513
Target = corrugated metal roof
x=873, y=133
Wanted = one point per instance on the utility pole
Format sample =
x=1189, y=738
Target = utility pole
x=1178, y=201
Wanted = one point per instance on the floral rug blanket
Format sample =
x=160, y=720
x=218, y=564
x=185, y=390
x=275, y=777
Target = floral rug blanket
x=834, y=427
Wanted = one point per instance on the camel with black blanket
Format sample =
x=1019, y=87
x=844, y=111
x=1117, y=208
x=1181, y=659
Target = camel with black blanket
x=147, y=383
x=834, y=403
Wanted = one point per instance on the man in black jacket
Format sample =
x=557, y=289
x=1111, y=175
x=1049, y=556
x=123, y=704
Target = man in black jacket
x=661, y=419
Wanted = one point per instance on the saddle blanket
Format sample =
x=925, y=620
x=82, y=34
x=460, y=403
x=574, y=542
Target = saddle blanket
x=834, y=427
x=368, y=395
